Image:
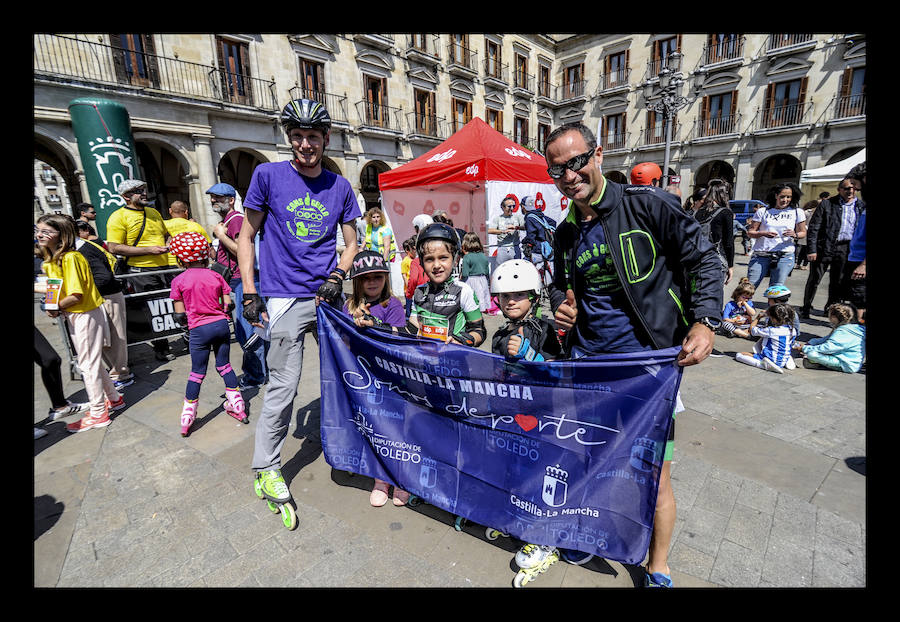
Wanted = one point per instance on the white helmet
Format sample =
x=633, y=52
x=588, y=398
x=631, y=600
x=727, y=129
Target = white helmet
x=421, y=221
x=516, y=275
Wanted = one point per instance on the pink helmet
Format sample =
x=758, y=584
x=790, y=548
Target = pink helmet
x=189, y=246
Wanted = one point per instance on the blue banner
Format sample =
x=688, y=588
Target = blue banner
x=564, y=453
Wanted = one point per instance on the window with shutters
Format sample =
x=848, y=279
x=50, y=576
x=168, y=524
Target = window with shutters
x=656, y=128
x=615, y=70
x=492, y=59
x=494, y=118
x=134, y=58
x=521, y=80
x=312, y=80
x=234, y=70
x=520, y=129
x=375, y=89
x=852, y=99
x=426, y=118
x=573, y=81
x=542, y=133
x=718, y=114
x=785, y=102
x=662, y=49
x=544, y=81
x=612, y=131
x=462, y=113
x=721, y=47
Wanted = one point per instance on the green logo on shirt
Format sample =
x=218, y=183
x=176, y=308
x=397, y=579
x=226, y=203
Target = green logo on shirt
x=308, y=224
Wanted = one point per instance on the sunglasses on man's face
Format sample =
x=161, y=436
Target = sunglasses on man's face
x=575, y=164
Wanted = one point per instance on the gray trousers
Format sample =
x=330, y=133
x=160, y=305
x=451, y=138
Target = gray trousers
x=285, y=362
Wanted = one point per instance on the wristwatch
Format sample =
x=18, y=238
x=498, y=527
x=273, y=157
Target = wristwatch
x=710, y=322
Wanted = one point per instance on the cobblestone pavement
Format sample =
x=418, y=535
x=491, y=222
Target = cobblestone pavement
x=768, y=472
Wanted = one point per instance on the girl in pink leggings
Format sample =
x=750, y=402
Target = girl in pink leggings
x=202, y=301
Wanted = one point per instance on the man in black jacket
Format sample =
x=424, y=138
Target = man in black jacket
x=828, y=237
x=637, y=275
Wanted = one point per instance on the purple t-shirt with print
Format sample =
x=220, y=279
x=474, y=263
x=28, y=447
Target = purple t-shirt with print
x=298, y=246
x=393, y=314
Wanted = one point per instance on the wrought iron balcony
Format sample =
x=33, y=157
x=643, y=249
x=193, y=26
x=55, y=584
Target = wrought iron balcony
x=379, y=116
x=495, y=70
x=850, y=106
x=462, y=57
x=614, y=80
x=523, y=81
x=336, y=105
x=716, y=126
x=658, y=64
x=423, y=47
x=782, y=41
x=572, y=90
x=656, y=135
x=610, y=142
x=427, y=125
x=731, y=48
x=57, y=56
x=783, y=116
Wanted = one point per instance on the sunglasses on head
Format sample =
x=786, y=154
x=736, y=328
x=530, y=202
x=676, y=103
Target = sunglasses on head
x=575, y=164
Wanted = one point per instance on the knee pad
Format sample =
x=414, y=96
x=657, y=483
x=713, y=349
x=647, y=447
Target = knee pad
x=224, y=369
x=195, y=377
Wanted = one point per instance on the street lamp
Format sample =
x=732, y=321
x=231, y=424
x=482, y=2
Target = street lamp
x=670, y=100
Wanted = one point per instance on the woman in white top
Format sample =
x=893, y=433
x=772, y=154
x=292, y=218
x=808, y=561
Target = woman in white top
x=774, y=230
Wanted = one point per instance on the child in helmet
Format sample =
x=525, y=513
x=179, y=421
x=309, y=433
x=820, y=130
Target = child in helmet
x=203, y=303
x=844, y=349
x=372, y=304
x=444, y=308
x=773, y=351
x=779, y=295
x=517, y=283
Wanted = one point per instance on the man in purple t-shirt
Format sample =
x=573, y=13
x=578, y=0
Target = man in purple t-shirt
x=299, y=205
x=253, y=362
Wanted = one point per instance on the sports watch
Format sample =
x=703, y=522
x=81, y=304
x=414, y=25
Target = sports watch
x=710, y=322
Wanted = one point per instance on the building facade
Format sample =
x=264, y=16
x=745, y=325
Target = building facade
x=757, y=108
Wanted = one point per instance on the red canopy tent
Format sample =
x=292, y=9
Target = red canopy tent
x=467, y=176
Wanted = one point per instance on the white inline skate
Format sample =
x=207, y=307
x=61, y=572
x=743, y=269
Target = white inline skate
x=534, y=559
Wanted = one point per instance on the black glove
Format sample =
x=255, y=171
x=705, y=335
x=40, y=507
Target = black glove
x=330, y=289
x=253, y=305
x=180, y=318
x=229, y=308
x=465, y=338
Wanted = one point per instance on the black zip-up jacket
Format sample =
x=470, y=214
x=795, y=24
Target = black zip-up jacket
x=671, y=275
x=825, y=224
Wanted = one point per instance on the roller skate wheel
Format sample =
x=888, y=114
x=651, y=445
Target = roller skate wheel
x=414, y=501
x=257, y=488
x=458, y=523
x=522, y=579
x=272, y=505
x=289, y=516
x=492, y=534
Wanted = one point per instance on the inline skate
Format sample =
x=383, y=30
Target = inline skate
x=534, y=559
x=188, y=414
x=270, y=485
x=234, y=405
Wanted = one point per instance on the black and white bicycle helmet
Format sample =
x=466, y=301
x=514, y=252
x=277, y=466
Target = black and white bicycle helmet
x=305, y=114
x=437, y=231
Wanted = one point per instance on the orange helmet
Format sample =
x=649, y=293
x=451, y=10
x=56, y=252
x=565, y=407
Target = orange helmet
x=645, y=173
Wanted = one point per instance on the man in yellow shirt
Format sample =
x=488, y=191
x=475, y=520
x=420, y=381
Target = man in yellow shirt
x=138, y=233
x=179, y=223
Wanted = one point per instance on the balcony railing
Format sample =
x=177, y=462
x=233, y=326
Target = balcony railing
x=614, y=79
x=783, y=116
x=59, y=56
x=613, y=141
x=427, y=125
x=572, y=90
x=494, y=69
x=656, y=65
x=418, y=44
x=460, y=56
x=656, y=135
x=850, y=106
x=378, y=115
x=716, y=126
x=547, y=90
x=722, y=50
x=778, y=41
x=336, y=105
x=523, y=81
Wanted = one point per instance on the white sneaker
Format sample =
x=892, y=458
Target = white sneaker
x=39, y=432
x=67, y=410
x=770, y=366
x=790, y=364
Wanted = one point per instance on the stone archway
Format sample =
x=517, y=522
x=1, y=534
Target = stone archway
x=236, y=168
x=843, y=154
x=714, y=169
x=46, y=150
x=616, y=176
x=368, y=182
x=779, y=168
x=331, y=165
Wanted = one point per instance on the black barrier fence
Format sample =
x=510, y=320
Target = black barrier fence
x=149, y=317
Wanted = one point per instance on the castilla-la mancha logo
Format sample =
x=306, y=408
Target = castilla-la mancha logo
x=554, y=493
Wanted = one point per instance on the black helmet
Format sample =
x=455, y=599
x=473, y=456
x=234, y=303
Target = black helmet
x=437, y=231
x=305, y=114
